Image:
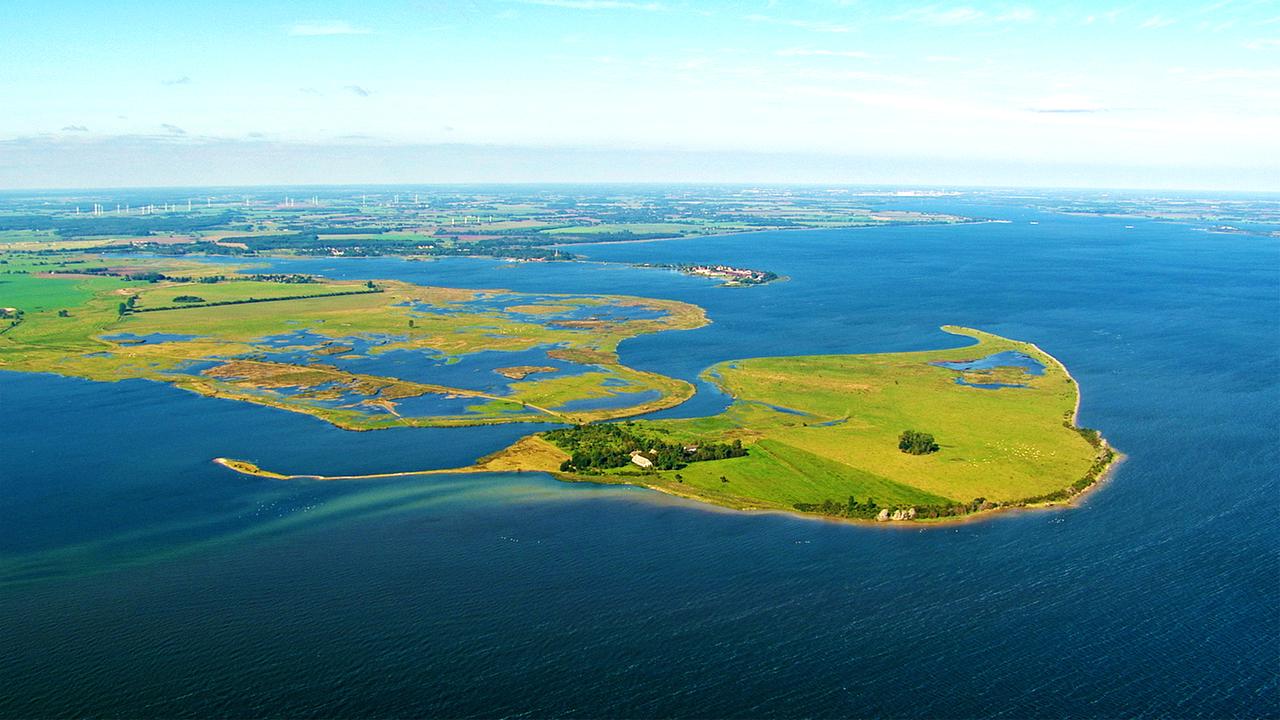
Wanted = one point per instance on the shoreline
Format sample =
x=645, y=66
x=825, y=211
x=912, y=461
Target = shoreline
x=698, y=502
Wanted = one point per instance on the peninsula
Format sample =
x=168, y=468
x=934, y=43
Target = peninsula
x=1000, y=416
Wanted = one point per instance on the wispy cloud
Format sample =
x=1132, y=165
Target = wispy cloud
x=1157, y=21
x=1263, y=44
x=172, y=129
x=318, y=28
x=184, y=80
x=810, y=25
x=357, y=90
x=596, y=4
x=805, y=52
x=75, y=128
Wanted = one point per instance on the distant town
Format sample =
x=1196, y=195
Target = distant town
x=732, y=276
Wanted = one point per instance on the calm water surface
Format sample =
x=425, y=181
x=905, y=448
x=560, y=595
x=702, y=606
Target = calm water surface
x=138, y=579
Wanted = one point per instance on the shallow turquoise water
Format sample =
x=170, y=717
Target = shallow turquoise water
x=139, y=579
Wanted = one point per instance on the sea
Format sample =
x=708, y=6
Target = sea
x=138, y=579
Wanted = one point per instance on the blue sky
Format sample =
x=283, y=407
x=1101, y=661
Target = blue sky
x=1148, y=94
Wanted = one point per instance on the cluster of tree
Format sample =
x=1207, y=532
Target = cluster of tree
x=916, y=443
x=188, y=299
x=286, y=278
x=609, y=445
x=851, y=509
x=149, y=276
x=760, y=278
x=869, y=510
x=245, y=301
x=1093, y=437
x=122, y=225
x=206, y=247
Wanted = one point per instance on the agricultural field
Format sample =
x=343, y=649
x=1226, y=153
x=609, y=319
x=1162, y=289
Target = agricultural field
x=516, y=224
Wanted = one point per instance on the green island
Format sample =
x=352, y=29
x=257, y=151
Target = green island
x=835, y=450
x=900, y=437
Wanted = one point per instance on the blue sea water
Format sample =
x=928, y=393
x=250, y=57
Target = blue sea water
x=139, y=579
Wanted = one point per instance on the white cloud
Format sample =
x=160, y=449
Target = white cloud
x=1157, y=21
x=319, y=28
x=1263, y=44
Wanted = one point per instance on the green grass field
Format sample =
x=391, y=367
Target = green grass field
x=1004, y=444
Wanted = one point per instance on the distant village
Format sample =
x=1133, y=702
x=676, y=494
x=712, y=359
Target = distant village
x=732, y=276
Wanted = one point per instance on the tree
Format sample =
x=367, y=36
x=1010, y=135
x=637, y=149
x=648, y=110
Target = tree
x=916, y=443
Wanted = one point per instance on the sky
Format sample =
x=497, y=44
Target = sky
x=1078, y=94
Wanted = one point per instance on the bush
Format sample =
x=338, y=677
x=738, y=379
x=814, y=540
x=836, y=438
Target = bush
x=916, y=443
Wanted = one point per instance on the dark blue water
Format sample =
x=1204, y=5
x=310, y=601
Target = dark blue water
x=141, y=580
